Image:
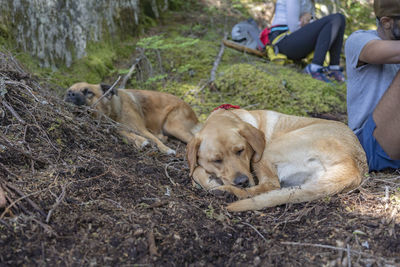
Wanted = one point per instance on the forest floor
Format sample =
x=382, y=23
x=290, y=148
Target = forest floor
x=78, y=195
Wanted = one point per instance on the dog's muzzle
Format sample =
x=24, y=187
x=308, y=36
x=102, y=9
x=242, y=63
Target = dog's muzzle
x=76, y=98
x=241, y=180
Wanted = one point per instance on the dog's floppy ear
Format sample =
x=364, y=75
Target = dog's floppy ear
x=191, y=153
x=256, y=140
x=105, y=87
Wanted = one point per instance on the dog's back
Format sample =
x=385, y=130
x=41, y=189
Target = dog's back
x=313, y=157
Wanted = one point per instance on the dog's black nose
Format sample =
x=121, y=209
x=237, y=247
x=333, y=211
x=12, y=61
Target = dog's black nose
x=241, y=180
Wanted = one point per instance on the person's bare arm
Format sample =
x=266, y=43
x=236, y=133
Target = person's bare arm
x=381, y=52
x=305, y=19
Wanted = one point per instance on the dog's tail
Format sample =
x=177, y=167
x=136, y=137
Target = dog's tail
x=338, y=181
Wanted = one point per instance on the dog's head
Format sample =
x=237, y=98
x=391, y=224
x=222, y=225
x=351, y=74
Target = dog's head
x=225, y=147
x=86, y=94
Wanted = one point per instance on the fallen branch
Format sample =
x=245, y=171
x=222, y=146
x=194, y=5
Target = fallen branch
x=55, y=205
x=3, y=200
x=106, y=93
x=348, y=255
x=255, y=229
x=24, y=86
x=9, y=207
x=130, y=72
x=166, y=173
x=33, y=204
x=218, y=59
x=152, y=243
x=13, y=112
x=245, y=49
x=213, y=70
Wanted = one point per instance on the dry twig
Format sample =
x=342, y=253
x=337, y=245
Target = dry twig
x=9, y=207
x=13, y=112
x=33, y=204
x=106, y=93
x=255, y=229
x=347, y=249
x=152, y=243
x=58, y=201
x=3, y=200
x=166, y=173
x=218, y=59
x=130, y=72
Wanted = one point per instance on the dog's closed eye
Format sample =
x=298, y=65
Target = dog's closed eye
x=239, y=152
x=217, y=161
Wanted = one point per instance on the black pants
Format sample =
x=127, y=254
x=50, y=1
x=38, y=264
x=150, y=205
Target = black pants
x=320, y=36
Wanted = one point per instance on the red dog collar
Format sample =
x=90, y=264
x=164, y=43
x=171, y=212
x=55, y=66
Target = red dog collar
x=226, y=107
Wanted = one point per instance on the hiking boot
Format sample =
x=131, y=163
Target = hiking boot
x=337, y=75
x=319, y=74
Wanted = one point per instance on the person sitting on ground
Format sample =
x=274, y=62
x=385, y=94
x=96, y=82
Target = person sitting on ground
x=373, y=86
x=321, y=36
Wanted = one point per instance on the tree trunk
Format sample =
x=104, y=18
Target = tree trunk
x=58, y=31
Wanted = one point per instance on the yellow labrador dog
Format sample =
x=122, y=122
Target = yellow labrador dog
x=294, y=159
x=152, y=114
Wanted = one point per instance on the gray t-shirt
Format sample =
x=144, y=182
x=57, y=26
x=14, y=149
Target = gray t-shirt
x=366, y=84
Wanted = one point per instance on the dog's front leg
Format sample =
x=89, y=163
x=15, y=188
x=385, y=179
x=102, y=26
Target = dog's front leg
x=139, y=141
x=267, y=180
x=237, y=191
x=204, y=179
x=267, y=176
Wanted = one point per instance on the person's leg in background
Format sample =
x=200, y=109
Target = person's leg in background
x=320, y=36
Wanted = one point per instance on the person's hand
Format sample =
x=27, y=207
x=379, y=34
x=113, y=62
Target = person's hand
x=305, y=19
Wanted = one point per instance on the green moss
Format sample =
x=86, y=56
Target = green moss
x=180, y=62
x=278, y=88
x=93, y=68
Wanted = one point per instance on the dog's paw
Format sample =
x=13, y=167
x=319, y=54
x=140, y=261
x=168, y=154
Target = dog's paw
x=223, y=194
x=145, y=144
x=219, y=193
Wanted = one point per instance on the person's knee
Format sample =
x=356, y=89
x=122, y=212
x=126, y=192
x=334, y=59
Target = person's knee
x=339, y=19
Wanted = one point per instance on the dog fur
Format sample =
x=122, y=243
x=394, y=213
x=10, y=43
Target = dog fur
x=295, y=159
x=154, y=115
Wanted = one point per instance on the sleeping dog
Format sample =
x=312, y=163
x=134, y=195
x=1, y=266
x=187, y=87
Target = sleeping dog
x=152, y=114
x=294, y=159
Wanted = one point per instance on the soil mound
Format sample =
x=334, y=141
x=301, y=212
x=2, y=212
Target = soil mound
x=77, y=194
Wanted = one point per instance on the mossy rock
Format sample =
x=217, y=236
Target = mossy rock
x=269, y=86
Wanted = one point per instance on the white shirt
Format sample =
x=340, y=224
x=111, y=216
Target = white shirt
x=287, y=12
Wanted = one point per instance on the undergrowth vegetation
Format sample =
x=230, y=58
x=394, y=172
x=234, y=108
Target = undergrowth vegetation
x=178, y=57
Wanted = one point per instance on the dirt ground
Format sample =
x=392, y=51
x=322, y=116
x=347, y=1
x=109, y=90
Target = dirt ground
x=78, y=195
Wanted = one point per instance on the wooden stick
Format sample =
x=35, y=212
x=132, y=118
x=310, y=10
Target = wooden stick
x=255, y=229
x=24, y=86
x=166, y=173
x=245, y=49
x=152, y=243
x=33, y=204
x=106, y=93
x=55, y=205
x=130, y=72
x=3, y=200
x=12, y=110
x=9, y=207
x=218, y=59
